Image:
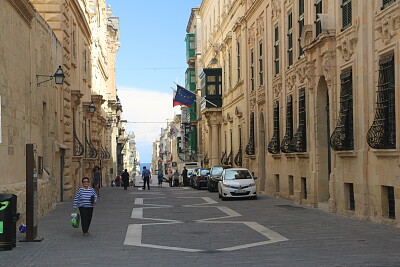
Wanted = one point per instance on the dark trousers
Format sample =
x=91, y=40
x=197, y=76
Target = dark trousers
x=126, y=184
x=86, y=218
x=146, y=180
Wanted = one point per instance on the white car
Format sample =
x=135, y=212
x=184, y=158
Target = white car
x=237, y=183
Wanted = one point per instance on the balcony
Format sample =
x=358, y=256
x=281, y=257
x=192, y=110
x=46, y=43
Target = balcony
x=190, y=79
x=211, y=88
x=190, y=47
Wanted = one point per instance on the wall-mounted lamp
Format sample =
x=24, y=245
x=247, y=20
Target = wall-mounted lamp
x=58, y=77
x=92, y=107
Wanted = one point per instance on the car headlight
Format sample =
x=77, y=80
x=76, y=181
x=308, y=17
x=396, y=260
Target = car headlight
x=252, y=184
x=226, y=185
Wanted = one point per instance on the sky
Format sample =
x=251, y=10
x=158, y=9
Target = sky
x=151, y=58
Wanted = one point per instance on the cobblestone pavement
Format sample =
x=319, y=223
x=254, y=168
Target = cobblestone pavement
x=186, y=227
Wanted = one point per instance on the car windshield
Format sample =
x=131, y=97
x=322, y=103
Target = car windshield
x=217, y=170
x=204, y=171
x=237, y=174
x=189, y=172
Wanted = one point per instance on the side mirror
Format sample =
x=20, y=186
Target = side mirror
x=255, y=177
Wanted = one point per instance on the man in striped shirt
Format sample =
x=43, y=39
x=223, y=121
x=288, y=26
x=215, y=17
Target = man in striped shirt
x=84, y=199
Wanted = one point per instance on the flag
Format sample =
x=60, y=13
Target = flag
x=183, y=97
x=173, y=131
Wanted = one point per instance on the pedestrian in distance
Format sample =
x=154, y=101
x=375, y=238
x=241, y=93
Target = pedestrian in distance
x=160, y=178
x=170, y=176
x=118, y=181
x=96, y=179
x=146, y=178
x=176, y=178
x=85, y=198
x=125, y=179
x=184, y=176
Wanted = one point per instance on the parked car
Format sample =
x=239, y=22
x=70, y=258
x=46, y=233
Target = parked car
x=189, y=173
x=192, y=177
x=201, y=178
x=215, y=177
x=237, y=183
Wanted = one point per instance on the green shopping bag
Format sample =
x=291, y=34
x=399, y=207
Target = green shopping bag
x=75, y=218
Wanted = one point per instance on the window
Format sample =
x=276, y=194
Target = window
x=287, y=139
x=276, y=48
x=250, y=148
x=229, y=69
x=238, y=61
x=277, y=185
x=290, y=39
x=382, y=133
x=260, y=67
x=318, y=10
x=388, y=202
x=301, y=25
x=273, y=146
x=349, y=189
x=346, y=14
x=304, y=187
x=291, y=185
x=342, y=137
x=252, y=69
x=299, y=142
x=386, y=3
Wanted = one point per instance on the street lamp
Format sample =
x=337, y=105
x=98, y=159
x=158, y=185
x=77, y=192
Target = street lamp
x=92, y=107
x=58, y=77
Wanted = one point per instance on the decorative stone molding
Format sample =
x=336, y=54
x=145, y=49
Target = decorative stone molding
x=238, y=112
x=277, y=87
x=328, y=66
x=260, y=26
x=252, y=103
x=327, y=23
x=290, y=80
x=229, y=117
x=306, y=35
x=276, y=8
x=388, y=22
x=251, y=36
x=228, y=37
x=348, y=40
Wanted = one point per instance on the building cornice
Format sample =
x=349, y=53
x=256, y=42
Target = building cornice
x=25, y=8
x=193, y=14
x=83, y=21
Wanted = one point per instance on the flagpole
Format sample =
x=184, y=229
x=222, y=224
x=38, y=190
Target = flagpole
x=194, y=94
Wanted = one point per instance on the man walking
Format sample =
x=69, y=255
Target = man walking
x=146, y=178
x=125, y=179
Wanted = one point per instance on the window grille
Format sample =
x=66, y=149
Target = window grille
x=382, y=133
x=346, y=13
x=318, y=10
x=238, y=60
x=78, y=147
x=276, y=48
x=386, y=3
x=273, y=146
x=223, y=158
x=238, y=157
x=90, y=150
x=287, y=139
x=301, y=25
x=250, y=148
x=342, y=137
x=391, y=202
x=290, y=39
x=252, y=69
x=299, y=142
x=261, y=70
x=304, y=187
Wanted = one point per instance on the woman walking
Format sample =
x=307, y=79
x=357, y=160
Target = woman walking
x=96, y=179
x=84, y=199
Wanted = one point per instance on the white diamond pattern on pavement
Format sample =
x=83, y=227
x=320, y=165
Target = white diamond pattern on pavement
x=134, y=232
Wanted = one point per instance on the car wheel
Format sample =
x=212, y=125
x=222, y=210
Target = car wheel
x=198, y=187
x=254, y=197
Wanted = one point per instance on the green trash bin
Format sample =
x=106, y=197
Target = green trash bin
x=8, y=221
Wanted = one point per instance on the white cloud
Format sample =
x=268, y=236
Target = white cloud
x=140, y=105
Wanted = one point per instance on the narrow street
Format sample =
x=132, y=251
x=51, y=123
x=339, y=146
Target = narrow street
x=186, y=227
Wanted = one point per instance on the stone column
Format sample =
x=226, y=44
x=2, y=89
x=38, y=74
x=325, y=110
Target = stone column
x=214, y=144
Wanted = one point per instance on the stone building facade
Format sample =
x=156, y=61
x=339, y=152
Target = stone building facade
x=71, y=124
x=308, y=96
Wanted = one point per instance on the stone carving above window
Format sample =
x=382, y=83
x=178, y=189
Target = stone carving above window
x=290, y=80
x=276, y=8
x=277, y=87
x=388, y=22
x=251, y=36
x=260, y=25
x=328, y=66
x=348, y=41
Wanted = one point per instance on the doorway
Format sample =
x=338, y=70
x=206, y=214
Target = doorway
x=322, y=142
x=62, y=164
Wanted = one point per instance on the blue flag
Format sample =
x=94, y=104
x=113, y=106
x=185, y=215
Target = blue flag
x=183, y=97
